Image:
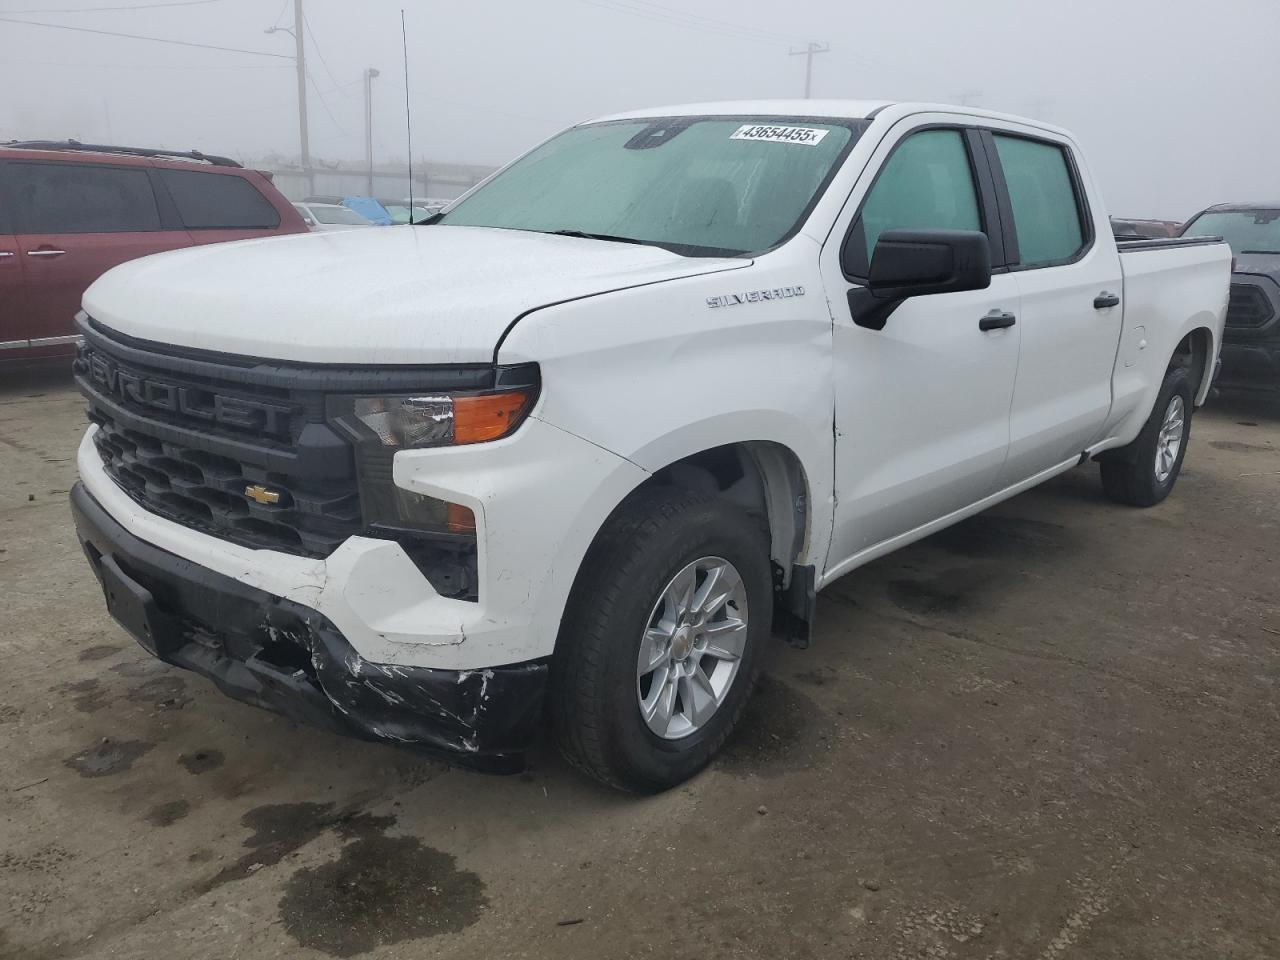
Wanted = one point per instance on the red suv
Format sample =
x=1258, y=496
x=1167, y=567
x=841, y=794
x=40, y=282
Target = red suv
x=71, y=211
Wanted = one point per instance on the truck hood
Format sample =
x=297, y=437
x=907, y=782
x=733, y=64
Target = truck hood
x=394, y=295
x=1265, y=264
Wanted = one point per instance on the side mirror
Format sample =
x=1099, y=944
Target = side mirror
x=916, y=263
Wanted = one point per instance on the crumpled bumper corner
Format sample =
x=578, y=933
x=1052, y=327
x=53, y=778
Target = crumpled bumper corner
x=285, y=657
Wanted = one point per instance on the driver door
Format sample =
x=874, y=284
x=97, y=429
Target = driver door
x=921, y=405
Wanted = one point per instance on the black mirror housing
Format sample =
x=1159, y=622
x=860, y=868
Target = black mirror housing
x=916, y=263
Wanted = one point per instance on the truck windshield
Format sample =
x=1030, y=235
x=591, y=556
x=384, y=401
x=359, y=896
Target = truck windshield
x=1246, y=231
x=699, y=186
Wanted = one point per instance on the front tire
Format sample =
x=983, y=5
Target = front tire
x=1144, y=472
x=663, y=639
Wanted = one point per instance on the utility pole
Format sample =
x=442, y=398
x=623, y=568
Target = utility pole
x=300, y=61
x=369, y=74
x=299, y=34
x=808, y=53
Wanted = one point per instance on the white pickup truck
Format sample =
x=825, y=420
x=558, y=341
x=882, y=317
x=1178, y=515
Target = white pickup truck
x=579, y=445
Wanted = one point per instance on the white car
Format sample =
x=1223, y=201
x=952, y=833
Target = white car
x=589, y=440
x=326, y=217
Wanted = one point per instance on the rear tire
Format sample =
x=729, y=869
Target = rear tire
x=645, y=732
x=1143, y=473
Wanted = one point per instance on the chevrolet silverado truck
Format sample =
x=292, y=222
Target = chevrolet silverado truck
x=1251, y=337
x=580, y=445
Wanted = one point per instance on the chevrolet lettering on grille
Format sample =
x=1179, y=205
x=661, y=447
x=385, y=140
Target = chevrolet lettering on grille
x=120, y=382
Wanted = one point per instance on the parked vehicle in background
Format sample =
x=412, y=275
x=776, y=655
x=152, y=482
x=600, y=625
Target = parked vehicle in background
x=1251, y=341
x=325, y=217
x=367, y=207
x=432, y=205
x=611, y=420
x=401, y=213
x=1130, y=229
x=71, y=211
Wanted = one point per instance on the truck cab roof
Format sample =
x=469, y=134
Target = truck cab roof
x=829, y=109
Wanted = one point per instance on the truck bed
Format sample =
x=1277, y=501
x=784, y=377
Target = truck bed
x=1171, y=287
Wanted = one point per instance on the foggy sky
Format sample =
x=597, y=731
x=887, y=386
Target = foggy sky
x=1174, y=100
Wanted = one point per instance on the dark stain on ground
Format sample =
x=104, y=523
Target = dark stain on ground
x=951, y=591
x=202, y=761
x=167, y=814
x=162, y=691
x=780, y=730
x=1235, y=446
x=147, y=667
x=817, y=677
x=988, y=535
x=380, y=890
x=278, y=830
x=86, y=695
x=100, y=652
x=108, y=757
x=9, y=714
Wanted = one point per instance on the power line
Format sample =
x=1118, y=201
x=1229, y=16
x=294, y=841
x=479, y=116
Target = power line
x=134, y=36
x=325, y=103
x=81, y=65
x=140, y=6
x=320, y=53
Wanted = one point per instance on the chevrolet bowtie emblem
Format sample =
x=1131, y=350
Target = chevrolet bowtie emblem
x=260, y=494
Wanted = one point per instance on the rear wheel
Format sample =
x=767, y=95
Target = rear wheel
x=663, y=639
x=1144, y=472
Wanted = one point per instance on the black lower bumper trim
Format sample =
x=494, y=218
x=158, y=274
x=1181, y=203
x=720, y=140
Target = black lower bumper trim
x=285, y=657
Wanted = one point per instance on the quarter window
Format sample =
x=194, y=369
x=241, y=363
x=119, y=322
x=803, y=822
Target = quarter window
x=82, y=198
x=219, y=201
x=1046, y=212
x=926, y=184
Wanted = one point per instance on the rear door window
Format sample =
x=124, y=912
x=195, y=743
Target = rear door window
x=1046, y=207
x=218, y=201
x=81, y=198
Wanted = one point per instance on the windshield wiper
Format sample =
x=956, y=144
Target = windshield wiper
x=1265, y=252
x=598, y=236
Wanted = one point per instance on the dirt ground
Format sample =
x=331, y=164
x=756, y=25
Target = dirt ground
x=1051, y=732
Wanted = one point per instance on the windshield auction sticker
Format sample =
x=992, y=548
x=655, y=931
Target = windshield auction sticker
x=810, y=136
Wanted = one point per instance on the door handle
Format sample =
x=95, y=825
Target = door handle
x=997, y=320
x=5, y=253
x=45, y=252
x=1104, y=300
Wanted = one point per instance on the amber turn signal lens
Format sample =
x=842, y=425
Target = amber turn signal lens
x=460, y=519
x=488, y=416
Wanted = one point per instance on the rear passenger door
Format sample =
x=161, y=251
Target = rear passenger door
x=215, y=205
x=1069, y=279
x=73, y=222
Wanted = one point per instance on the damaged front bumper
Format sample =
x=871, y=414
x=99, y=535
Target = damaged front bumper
x=283, y=656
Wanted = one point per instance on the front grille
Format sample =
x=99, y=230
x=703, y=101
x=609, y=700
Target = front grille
x=1249, y=307
x=207, y=491
x=200, y=438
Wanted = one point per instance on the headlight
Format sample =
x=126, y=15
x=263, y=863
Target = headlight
x=382, y=425
x=431, y=420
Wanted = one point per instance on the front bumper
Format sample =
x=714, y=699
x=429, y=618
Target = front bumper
x=1249, y=366
x=283, y=656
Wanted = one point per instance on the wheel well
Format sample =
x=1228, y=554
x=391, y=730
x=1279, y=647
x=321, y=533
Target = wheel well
x=763, y=478
x=1192, y=353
